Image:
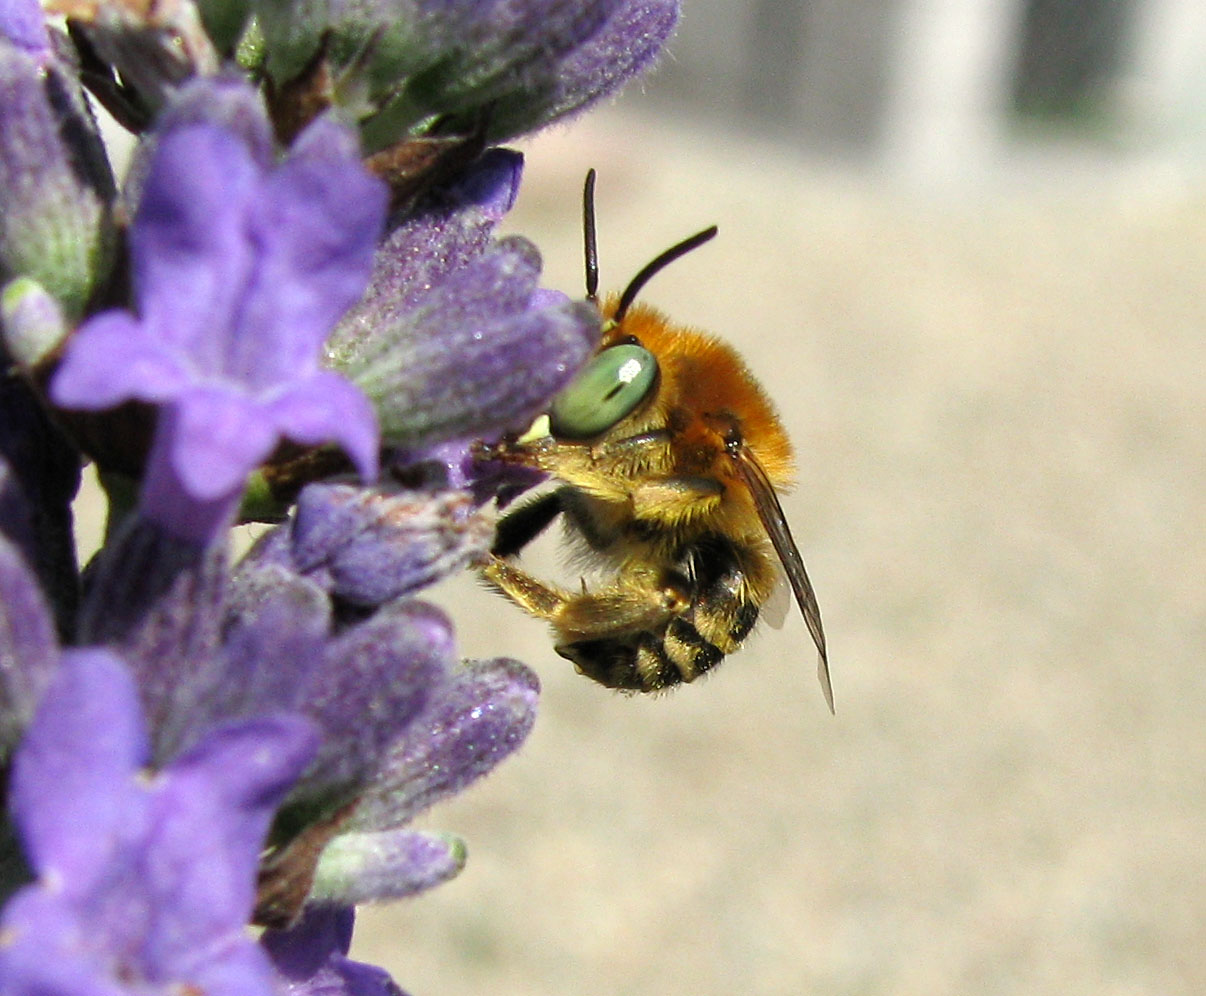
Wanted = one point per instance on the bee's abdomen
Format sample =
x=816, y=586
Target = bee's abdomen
x=649, y=662
x=719, y=617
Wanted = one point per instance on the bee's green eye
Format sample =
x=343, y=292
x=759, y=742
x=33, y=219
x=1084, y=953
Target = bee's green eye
x=610, y=387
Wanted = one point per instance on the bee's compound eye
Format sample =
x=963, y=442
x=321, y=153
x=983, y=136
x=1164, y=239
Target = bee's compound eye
x=609, y=388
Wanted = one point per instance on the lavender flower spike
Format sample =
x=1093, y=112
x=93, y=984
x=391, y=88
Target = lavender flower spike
x=240, y=272
x=145, y=883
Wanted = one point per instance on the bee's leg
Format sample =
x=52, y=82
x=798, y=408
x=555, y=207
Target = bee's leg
x=603, y=631
x=518, y=528
x=533, y=596
x=628, y=604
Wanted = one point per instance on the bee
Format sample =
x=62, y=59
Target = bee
x=668, y=454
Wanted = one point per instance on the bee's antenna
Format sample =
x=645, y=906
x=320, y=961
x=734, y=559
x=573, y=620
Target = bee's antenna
x=660, y=263
x=588, y=230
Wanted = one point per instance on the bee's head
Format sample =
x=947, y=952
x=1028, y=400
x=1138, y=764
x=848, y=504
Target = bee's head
x=623, y=376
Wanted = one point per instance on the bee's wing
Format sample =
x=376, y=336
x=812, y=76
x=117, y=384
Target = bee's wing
x=774, y=609
x=775, y=524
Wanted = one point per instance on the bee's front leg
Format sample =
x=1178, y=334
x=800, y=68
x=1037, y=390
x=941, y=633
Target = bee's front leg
x=537, y=453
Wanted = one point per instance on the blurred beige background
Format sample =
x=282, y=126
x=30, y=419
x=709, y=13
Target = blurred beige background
x=996, y=389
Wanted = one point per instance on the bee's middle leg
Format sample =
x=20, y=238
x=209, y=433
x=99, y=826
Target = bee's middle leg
x=532, y=595
x=628, y=604
x=614, y=634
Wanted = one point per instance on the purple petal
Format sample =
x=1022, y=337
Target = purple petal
x=236, y=967
x=110, y=944
x=73, y=791
x=227, y=102
x=491, y=184
x=327, y=408
x=48, y=950
x=224, y=101
x=231, y=784
x=300, y=952
x=165, y=499
x=219, y=436
x=190, y=249
x=22, y=23
x=312, y=957
x=318, y=220
x=145, y=882
x=112, y=360
x=190, y=258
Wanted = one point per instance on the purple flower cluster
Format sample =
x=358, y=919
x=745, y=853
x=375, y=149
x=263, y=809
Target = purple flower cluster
x=259, y=323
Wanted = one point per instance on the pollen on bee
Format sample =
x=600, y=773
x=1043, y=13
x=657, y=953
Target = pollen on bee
x=537, y=430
